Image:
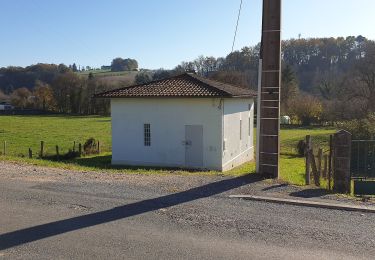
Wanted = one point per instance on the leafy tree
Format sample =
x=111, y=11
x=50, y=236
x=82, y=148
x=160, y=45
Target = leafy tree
x=161, y=74
x=21, y=98
x=74, y=67
x=68, y=92
x=119, y=64
x=289, y=88
x=44, y=98
x=62, y=68
x=4, y=97
x=306, y=109
x=360, y=128
x=365, y=74
x=142, y=78
x=231, y=77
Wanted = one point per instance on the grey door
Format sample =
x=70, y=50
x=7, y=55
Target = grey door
x=194, y=146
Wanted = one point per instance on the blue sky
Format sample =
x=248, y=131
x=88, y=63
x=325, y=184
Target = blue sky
x=159, y=33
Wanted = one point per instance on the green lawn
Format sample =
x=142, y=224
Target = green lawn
x=292, y=168
x=22, y=132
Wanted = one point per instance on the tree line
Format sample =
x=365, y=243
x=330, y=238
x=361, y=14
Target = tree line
x=54, y=88
x=324, y=80
x=68, y=93
x=59, y=88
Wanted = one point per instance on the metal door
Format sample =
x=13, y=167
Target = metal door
x=194, y=146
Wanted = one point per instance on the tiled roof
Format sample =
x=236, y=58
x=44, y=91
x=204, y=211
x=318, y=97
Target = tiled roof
x=184, y=85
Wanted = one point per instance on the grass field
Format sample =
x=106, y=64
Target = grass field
x=106, y=73
x=22, y=132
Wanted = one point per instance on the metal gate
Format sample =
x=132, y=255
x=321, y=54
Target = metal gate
x=363, y=159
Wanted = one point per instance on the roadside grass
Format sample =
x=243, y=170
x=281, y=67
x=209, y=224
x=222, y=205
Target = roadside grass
x=22, y=132
x=102, y=163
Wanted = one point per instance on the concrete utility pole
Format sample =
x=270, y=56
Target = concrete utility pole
x=268, y=119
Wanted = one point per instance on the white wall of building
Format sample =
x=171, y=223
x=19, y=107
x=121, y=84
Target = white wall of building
x=167, y=117
x=238, y=150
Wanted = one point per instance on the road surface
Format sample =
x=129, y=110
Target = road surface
x=57, y=214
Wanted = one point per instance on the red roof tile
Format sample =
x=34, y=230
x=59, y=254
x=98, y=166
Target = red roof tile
x=184, y=85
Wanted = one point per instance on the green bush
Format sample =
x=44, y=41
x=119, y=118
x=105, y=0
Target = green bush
x=360, y=128
x=90, y=146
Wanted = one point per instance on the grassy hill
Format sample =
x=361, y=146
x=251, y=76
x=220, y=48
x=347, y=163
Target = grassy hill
x=106, y=73
x=121, y=78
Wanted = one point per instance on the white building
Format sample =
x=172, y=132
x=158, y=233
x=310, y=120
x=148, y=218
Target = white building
x=185, y=121
x=5, y=106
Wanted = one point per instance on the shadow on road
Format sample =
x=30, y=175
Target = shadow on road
x=310, y=193
x=275, y=187
x=35, y=233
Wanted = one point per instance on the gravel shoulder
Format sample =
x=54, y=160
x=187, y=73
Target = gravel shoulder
x=176, y=183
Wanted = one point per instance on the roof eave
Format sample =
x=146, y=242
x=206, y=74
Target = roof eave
x=228, y=96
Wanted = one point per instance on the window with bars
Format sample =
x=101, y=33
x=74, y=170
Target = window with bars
x=147, y=134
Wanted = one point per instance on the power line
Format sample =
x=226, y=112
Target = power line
x=238, y=19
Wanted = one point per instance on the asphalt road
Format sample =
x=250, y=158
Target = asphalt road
x=55, y=214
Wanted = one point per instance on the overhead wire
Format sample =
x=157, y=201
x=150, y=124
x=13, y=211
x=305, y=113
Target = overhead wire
x=238, y=20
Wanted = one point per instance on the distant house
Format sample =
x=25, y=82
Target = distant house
x=285, y=120
x=6, y=106
x=184, y=121
x=105, y=67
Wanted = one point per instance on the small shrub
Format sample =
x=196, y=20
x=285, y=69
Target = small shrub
x=90, y=146
x=360, y=128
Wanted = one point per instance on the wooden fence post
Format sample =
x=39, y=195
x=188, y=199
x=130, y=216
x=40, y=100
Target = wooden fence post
x=80, y=149
x=57, y=152
x=308, y=162
x=320, y=159
x=30, y=153
x=325, y=168
x=74, y=146
x=330, y=162
x=98, y=148
x=41, y=149
x=314, y=168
